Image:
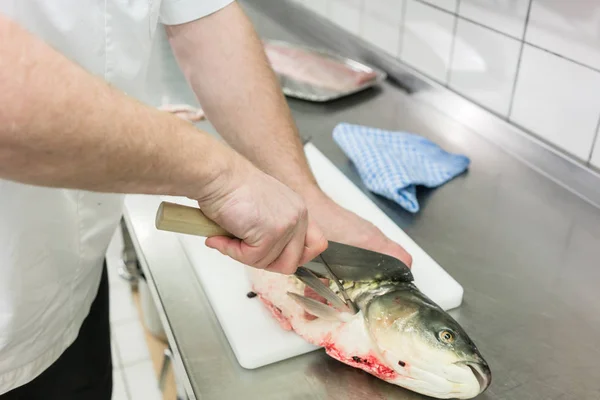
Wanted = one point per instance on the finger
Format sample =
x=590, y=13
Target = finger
x=225, y=245
x=383, y=244
x=395, y=250
x=289, y=259
x=315, y=242
x=258, y=256
x=270, y=251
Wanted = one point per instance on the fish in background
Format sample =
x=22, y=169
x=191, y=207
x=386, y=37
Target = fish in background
x=310, y=67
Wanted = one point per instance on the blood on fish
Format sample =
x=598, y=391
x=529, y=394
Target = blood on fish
x=368, y=363
x=285, y=324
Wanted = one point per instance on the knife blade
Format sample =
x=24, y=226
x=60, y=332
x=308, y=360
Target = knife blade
x=355, y=264
x=347, y=263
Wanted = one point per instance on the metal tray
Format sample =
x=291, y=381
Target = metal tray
x=306, y=91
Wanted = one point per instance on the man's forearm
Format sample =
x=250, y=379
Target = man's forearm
x=224, y=61
x=62, y=127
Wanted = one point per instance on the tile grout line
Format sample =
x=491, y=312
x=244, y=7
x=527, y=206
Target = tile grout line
x=120, y=370
x=506, y=35
x=119, y=324
x=124, y=321
x=136, y=362
x=125, y=383
x=153, y=378
x=563, y=57
x=362, y=15
x=435, y=6
x=594, y=142
x=526, y=22
x=518, y=69
x=401, y=31
x=122, y=365
x=117, y=353
x=452, y=46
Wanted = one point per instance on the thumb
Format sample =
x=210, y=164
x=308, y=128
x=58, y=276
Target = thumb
x=227, y=246
x=314, y=243
x=395, y=250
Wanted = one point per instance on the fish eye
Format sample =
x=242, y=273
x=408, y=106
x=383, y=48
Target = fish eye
x=446, y=336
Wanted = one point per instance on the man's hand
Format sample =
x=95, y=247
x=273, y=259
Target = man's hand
x=343, y=226
x=270, y=219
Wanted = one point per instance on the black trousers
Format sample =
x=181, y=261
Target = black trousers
x=84, y=370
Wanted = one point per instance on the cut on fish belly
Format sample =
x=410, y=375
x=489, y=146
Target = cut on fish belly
x=308, y=67
x=398, y=334
x=276, y=312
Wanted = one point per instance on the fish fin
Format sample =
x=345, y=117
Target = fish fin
x=318, y=309
x=311, y=280
x=349, y=303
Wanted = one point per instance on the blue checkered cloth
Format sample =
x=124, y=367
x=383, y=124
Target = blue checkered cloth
x=393, y=164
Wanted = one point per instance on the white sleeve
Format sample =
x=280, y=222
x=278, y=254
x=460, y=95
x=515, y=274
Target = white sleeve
x=173, y=12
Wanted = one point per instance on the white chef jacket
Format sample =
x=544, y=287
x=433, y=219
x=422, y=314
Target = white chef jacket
x=53, y=241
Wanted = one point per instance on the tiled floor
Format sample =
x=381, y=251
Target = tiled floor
x=134, y=372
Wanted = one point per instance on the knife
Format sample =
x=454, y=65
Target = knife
x=346, y=263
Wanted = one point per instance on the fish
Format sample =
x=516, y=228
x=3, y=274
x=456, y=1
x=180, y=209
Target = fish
x=314, y=68
x=388, y=329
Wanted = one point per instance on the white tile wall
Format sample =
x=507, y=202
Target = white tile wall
x=484, y=66
x=353, y=3
x=318, y=6
x=448, y=5
x=390, y=11
x=427, y=39
x=381, y=23
x=558, y=100
x=474, y=47
x=346, y=14
x=595, y=160
x=569, y=28
x=506, y=16
x=381, y=34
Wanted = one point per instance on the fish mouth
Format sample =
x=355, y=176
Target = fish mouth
x=482, y=373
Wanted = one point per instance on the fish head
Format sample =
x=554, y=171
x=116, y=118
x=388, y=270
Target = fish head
x=429, y=351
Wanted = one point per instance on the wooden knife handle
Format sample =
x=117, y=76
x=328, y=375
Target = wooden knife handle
x=189, y=220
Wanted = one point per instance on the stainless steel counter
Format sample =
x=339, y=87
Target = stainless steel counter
x=526, y=250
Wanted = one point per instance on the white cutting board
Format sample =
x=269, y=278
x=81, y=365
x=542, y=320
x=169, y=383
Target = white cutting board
x=254, y=335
